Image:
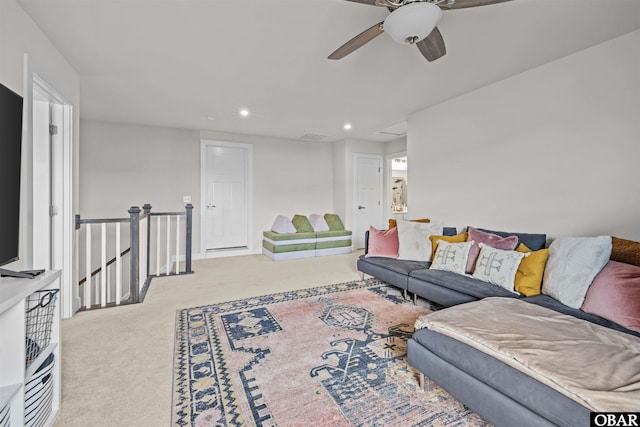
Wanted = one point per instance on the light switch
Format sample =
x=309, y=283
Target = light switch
x=186, y=199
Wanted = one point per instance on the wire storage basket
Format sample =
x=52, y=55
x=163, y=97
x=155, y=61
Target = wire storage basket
x=39, y=311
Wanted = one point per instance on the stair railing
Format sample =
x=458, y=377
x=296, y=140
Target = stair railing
x=110, y=284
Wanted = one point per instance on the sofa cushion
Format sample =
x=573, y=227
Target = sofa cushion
x=413, y=239
x=302, y=224
x=534, y=242
x=460, y=283
x=451, y=256
x=531, y=270
x=626, y=251
x=334, y=234
x=548, y=302
x=615, y=295
x=572, y=265
x=497, y=266
x=283, y=224
x=334, y=222
x=396, y=265
x=493, y=240
x=449, y=231
x=318, y=223
x=458, y=238
x=293, y=247
x=383, y=243
x=290, y=237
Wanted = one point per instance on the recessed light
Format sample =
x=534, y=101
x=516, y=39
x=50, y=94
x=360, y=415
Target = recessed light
x=347, y=126
x=211, y=117
x=244, y=112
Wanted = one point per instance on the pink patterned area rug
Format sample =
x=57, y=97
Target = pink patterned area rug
x=327, y=356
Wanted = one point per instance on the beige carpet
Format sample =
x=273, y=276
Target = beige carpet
x=117, y=363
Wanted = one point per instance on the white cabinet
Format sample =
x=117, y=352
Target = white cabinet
x=13, y=374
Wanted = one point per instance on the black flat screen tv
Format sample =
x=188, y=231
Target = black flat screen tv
x=10, y=159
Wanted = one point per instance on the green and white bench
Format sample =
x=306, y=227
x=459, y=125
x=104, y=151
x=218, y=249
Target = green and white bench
x=283, y=243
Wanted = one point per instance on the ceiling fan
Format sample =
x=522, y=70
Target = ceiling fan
x=410, y=22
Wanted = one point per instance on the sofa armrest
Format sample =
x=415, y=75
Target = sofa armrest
x=366, y=242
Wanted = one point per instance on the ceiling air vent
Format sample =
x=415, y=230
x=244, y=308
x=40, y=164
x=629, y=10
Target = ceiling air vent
x=399, y=129
x=314, y=137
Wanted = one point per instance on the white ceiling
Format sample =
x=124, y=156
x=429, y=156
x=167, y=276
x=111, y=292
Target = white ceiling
x=175, y=62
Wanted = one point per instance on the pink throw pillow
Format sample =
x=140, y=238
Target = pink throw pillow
x=615, y=295
x=383, y=243
x=489, y=239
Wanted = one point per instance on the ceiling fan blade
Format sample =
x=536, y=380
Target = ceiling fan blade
x=432, y=47
x=369, y=2
x=358, y=41
x=460, y=4
x=381, y=3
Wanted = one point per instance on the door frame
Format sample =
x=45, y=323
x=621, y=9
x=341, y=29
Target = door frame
x=62, y=252
x=219, y=253
x=354, y=201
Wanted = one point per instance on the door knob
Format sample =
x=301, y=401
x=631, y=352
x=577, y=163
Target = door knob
x=362, y=207
x=211, y=206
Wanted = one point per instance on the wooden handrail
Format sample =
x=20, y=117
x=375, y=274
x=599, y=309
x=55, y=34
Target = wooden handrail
x=111, y=261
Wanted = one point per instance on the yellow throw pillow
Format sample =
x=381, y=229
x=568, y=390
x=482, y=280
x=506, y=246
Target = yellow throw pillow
x=458, y=238
x=529, y=275
x=393, y=223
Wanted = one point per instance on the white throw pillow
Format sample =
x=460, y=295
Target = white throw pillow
x=451, y=256
x=498, y=266
x=318, y=222
x=282, y=225
x=413, y=239
x=572, y=265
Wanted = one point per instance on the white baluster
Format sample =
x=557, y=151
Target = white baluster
x=158, y=247
x=118, y=266
x=109, y=284
x=103, y=265
x=168, y=265
x=87, y=283
x=177, y=243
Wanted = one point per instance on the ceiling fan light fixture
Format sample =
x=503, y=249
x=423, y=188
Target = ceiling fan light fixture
x=412, y=22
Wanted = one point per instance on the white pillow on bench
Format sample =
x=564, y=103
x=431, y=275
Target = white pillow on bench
x=318, y=222
x=283, y=225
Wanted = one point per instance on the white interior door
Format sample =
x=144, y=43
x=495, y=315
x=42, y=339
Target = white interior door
x=367, y=197
x=226, y=195
x=47, y=181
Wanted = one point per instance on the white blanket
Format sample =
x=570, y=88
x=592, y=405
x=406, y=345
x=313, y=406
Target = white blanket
x=596, y=366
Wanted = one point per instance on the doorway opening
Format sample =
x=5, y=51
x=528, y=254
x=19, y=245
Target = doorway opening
x=399, y=185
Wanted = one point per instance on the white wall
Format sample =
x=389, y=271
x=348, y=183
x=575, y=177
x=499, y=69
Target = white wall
x=128, y=165
x=19, y=36
x=396, y=146
x=553, y=150
x=125, y=165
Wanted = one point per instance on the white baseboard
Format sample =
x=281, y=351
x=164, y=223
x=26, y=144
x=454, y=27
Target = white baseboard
x=223, y=253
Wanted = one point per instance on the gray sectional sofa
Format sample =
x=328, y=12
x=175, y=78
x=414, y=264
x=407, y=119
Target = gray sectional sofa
x=501, y=394
x=440, y=287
